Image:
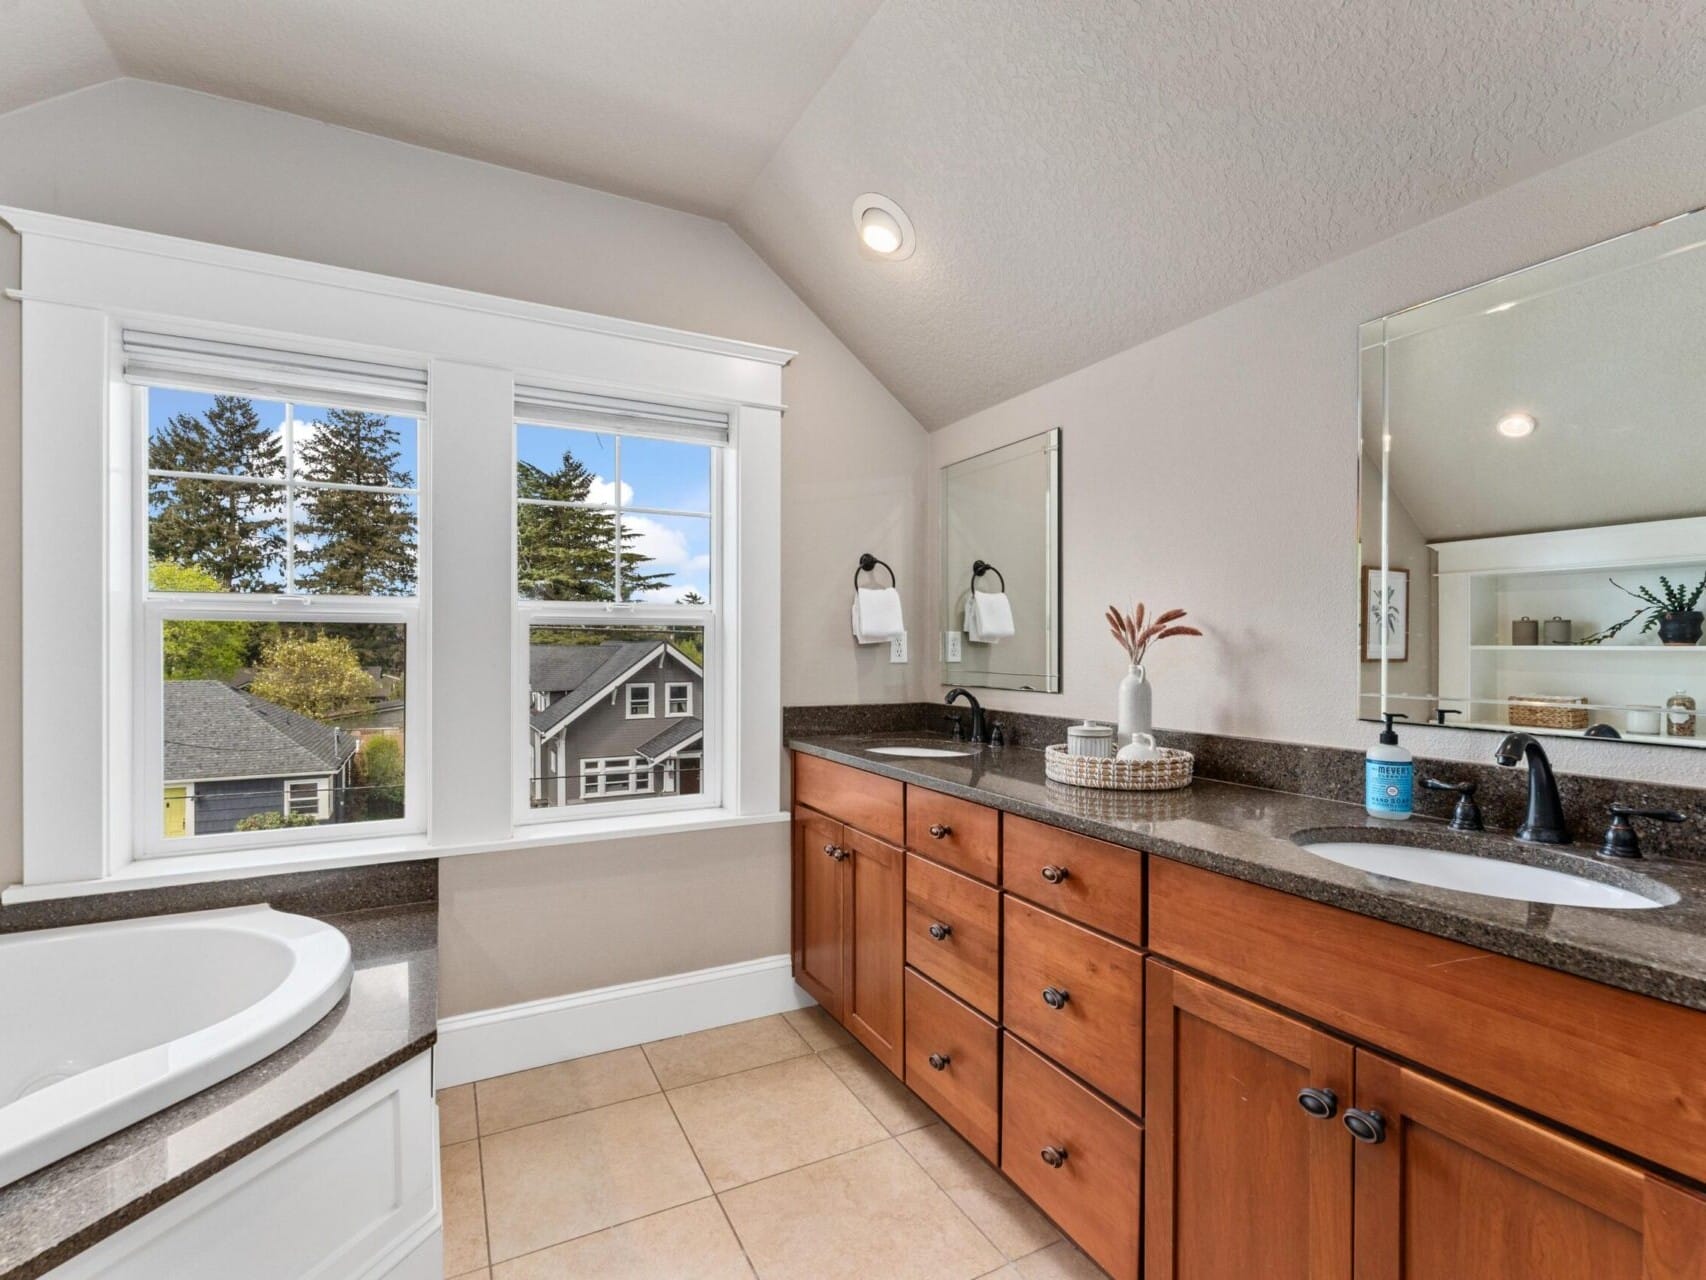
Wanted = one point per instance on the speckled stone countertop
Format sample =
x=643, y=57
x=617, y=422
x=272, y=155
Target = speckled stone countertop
x=389, y=1016
x=1249, y=833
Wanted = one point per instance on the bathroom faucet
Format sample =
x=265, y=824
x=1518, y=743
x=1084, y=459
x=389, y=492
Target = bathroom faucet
x=1545, y=821
x=978, y=732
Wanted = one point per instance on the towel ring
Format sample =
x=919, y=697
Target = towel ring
x=981, y=567
x=868, y=564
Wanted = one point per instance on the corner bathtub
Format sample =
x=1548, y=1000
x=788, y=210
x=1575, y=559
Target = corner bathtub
x=102, y=1025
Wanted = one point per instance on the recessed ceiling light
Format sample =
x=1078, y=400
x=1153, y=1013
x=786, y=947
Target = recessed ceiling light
x=883, y=228
x=1514, y=426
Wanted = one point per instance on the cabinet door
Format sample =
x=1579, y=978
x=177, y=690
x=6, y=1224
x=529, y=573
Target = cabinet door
x=820, y=909
x=1241, y=1180
x=875, y=997
x=1460, y=1189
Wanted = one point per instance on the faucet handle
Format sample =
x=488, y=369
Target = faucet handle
x=1620, y=838
x=959, y=725
x=1467, y=815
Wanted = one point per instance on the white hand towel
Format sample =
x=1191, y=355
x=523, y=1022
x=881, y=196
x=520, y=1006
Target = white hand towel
x=989, y=616
x=876, y=615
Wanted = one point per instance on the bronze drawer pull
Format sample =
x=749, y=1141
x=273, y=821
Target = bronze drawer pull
x=836, y=852
x=940, y=931
x=1322, y=1104
x=939, y=1062
x=939, y=832
x=1054, y=875
x=1055, y=997
x=1054, y=1157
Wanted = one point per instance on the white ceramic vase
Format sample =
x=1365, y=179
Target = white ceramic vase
x=1135, y=713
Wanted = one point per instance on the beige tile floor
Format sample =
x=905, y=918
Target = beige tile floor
x=773, y=1148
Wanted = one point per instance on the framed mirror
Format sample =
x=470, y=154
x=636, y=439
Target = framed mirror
x=1001, y=567
x=1533, y=497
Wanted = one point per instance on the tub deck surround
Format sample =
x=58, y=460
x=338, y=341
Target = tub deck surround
x=389, y=1016
x=1247, y=833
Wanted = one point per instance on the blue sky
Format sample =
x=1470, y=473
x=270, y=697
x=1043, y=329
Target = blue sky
x=165, y=403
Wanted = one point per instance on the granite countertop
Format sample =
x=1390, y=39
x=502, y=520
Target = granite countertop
x=1248, y=833
x=389, y=1016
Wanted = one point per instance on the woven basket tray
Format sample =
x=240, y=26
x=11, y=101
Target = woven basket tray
x=1544, y=711
x=1168, y=772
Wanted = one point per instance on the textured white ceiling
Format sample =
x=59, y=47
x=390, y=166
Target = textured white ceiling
x=679, y=102
x=1083, y=174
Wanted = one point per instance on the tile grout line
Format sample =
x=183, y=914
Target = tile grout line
x=587, y=1235
x=703, y=1173
x=958, y=1208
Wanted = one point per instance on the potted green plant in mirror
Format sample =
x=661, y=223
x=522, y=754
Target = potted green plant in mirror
x=1672, y=610
x=1135, y=634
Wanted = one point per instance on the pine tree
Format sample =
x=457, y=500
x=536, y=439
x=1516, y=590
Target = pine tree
x=233, y=531
x=357, y=542
x=569, y=553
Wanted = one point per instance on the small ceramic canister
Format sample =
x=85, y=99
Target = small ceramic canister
x=1090, y=739
x=1525, y=630
x=1557, y=630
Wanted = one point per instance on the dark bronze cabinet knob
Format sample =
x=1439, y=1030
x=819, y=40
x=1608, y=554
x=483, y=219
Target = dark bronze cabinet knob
x=836, y=851
x=1054, y=1157
x=940, y=931
x=938, y=831
x=1055, y=997
x=1054, y=875
x=1366, y=1126
x=1323, y=1104
x=939, y=1062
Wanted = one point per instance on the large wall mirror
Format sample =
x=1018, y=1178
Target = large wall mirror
x=1533, y=515
x=1001, y=567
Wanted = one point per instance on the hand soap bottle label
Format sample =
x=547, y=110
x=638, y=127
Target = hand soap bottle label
x=1389, y=787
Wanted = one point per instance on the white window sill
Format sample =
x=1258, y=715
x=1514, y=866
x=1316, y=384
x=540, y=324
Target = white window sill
x=155, y=873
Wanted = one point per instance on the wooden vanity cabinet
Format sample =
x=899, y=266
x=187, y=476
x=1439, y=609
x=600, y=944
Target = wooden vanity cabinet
x=1240, y=1180
x=1461, y=1189
x=849, y=904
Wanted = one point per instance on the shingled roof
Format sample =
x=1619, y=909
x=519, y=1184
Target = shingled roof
x=215, y=731
x=680, y=734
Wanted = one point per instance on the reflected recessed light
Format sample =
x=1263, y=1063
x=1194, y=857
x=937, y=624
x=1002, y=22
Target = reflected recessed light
x=1515, y=426
x=1503, y=306
x=883, y=228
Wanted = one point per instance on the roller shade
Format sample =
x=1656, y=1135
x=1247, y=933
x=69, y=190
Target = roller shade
x=202, y=364
x=552, y=407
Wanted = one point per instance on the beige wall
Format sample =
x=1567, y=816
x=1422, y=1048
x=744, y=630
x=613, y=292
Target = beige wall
x=166, y=160
x=1215, y=468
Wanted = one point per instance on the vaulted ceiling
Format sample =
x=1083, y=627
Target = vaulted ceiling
x=1083, y=174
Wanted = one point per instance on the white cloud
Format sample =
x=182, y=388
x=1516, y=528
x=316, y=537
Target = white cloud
x=668, y=548
x=603, y=493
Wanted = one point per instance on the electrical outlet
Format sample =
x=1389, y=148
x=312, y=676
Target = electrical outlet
x=897, y=648
x=951, y=647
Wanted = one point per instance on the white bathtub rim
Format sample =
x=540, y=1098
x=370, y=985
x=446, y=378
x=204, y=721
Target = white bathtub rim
x=74, y=1113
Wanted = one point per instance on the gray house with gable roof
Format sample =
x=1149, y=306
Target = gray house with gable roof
x=230, y=755
x=622, y=718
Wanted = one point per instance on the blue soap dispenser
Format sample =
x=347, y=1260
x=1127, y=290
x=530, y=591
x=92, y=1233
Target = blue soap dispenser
x=1390, y=778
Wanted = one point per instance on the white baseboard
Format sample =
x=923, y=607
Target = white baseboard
x=495, y=1042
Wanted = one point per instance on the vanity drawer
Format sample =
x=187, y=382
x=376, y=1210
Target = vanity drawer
x=1098, y=883
x=963, y=1088
x=967, y=960
x=863, y=800
x=1094, y=1192
x=956, y=833
x=1096, y=1029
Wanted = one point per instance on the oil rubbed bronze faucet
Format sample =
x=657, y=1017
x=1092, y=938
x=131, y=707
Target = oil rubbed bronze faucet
x=1544, y=823
x=978, y=732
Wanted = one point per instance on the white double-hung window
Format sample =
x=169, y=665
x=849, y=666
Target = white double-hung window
x=619, y=601
x=277, y=578
x=323, y=567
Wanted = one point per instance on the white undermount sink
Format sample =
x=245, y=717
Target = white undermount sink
x=917, y=753
x=1489, y=876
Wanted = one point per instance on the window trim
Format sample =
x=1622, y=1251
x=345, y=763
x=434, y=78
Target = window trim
x=669, y=698
x=628, y=692
x=151, y=610
x=86, y=282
